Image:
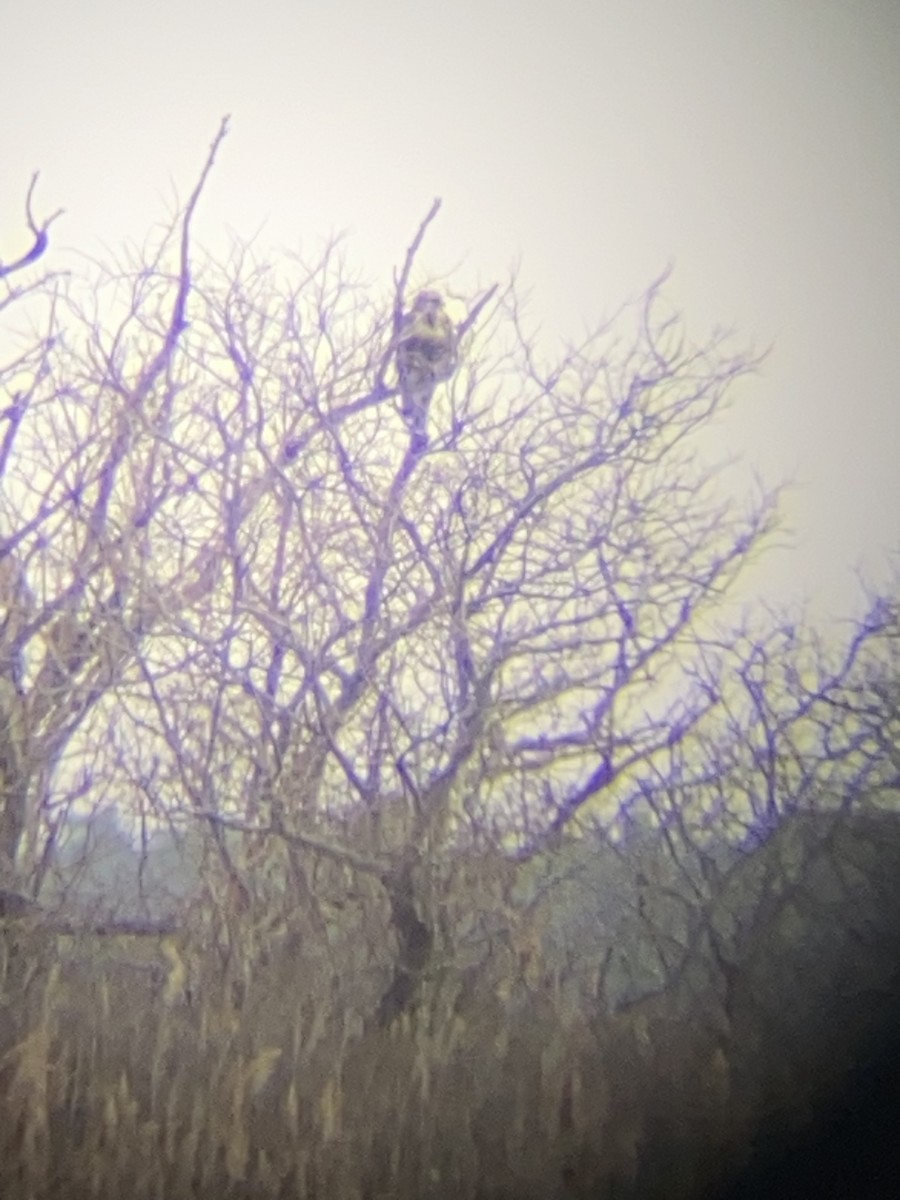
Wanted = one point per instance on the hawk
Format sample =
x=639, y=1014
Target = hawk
x=426, y=354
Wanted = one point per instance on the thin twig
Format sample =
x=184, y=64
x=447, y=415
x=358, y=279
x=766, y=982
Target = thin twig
x=470, y=320
x=401, y=282
x=177, y=323
x=40, y=232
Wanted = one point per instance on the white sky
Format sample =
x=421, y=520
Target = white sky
x=757, y=146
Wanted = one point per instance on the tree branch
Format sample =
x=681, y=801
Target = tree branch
x=40, y=232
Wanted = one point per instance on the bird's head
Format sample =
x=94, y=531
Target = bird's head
x=428, y=304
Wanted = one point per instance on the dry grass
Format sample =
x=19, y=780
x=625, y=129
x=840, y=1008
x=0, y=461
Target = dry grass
x=248, y=1064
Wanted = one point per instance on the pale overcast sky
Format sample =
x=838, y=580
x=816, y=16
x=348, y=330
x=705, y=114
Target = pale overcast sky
x=756, y=145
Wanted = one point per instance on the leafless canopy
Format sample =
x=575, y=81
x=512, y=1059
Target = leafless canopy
x=234, y=590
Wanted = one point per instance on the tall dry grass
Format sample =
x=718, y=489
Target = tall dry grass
x=242, y=1057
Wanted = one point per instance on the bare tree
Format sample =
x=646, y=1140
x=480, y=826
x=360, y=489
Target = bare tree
x=800, y=725
x=240, y=591
x=454, y=679
x=80, y=438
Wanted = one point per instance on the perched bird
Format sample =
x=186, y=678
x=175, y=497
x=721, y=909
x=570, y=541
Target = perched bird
x=426, y=354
